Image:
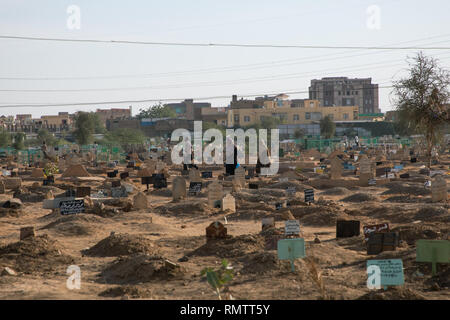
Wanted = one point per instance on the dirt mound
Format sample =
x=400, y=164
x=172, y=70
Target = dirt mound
x=76, y=170
x=231, y=247
x=187, y=207
x=260, y=263
x=284, y=185
x=35, y=255
x=317, y=215
x=441, y=279
x=360, y=197
x=411, y=233
x=410, y=188
x=129, y=291
x=255, y=197
x=336, y=191
x=433, y=213
x=141, y=268
x=121, y=245
x=75, y=225
x=392, y=293
x=161, y=193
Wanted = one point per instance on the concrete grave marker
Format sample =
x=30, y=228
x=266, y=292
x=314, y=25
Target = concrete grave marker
x=268, y=223
x=215, y=194
x=194, y=175
x=140, y=201
x=216, y=230
x=439, y=189
x=229, y=203
x=178, y=188
x=336, y=169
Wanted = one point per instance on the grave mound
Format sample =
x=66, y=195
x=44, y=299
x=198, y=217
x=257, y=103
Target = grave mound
x=141, y=268
x=392, y=293
x=121, y=245
x=35, y=255
x=433, y=213
x=416, y=189
x=187, y=207
x=74, y=225
x=261, y=263
x=76, y=170
x=360, y=197
x=128, y=290
x=231, y=247
x=411, y=233
x=336, y=191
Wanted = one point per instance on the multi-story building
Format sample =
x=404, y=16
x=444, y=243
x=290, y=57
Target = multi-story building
x=188, y=109
x=114, y=113
x=342, y=91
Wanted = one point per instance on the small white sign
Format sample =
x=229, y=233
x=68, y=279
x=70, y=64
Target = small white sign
x=292, y=227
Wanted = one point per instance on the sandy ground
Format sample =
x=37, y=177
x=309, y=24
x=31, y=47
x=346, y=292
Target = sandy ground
x=133, y=267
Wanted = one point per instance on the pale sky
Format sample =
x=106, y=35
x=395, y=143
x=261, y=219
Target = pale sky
x=168, y=72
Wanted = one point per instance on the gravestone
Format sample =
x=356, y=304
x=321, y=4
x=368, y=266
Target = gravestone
x=336, y=168
x=71, y=207
x=195, y=188
x=119, y=192
x=159, y=181
x=178, y=188
x=140, y=201
x=292, y=227
x=382, y=241
x=207, y=174
x=391, y=272
x=194, y=175
x=291, y=249
x=216, y=230
x=115, y=183
x=124, y=175
x=438, y=189
x=433, y=251
x=83, y=192
x=26, y=232
x=215, y=194
x=366, y=172
x=229, y=203
x=268, y=223
x=309, y=195
x=253, y=186
x=239, y=175
x=111, y=174
x=367, y=230
x=2, y=187
x=347, y=228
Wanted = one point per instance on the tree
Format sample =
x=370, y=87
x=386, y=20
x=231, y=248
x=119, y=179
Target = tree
x=327, y=127
x=157, y=111
x=5, y=138
x=84, y=128
x=45, y=136
x=19, y=139
x=124, y=137
x=299, y=133
x=421, y=98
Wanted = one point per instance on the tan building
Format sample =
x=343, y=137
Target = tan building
x=111, y=114
x=290, y=112
x=215, y=115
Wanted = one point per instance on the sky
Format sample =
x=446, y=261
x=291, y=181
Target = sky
x=111, y=72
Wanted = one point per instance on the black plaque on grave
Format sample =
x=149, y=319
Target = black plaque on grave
x=347, y=228
x=404, y=176
x=159, y=181
x=195, y=188
x=309, y=195
x=71, y=207
x=111, y=174
x=83, y=192
x=207, y=174
x=253, y=186
x=146, y=181
x=124, y=175
x=115, y=184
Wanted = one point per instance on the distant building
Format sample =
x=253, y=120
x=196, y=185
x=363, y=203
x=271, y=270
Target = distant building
x=188, y=109
x=111, y=114
x=342, y=91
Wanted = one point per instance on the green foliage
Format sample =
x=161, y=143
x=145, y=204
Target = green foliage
x=84, y=128
x=299, y=133
x=218, y=278
x=327, y=127
x=157, y=111
x=124, y=137
x=5, y=138
x=19, y=139
x=421, y=99
x=50, y=169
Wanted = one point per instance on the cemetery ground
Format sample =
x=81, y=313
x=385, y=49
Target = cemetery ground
x=156, y=250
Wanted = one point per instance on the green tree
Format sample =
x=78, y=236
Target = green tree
x=299, y=133
x=157, y=111
x=327, y=127
x=421, y=99
x=5, y=138
x=44, y=135
x=19, y=139
x=124, y=137
x=84, y=128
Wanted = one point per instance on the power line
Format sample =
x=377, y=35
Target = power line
x=164, y=99
x=236, y=45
